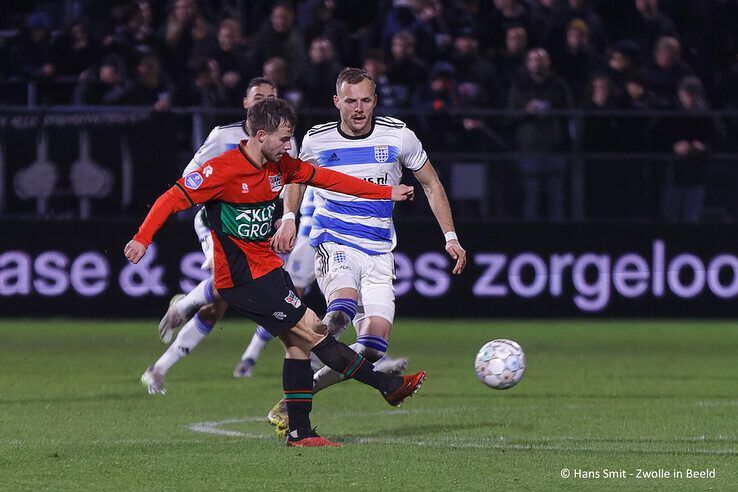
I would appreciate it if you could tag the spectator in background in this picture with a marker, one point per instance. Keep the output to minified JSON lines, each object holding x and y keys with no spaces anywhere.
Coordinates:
{"x":639,"y":95}
{"x":621,"y":61}
{"x":406,"y":70}
{"x":72,"y":53}
{"x":650,"y":25}
{"x":504,"y":14}
{"x":690,"y":138}
{"x":106,"y":84}
{"x":433,"y":104}
{"x":667,"y":70}
{"x":571,"y":10}
{"x":279,"y":38}
{"x":390,"y":96}
{"x":475,"y":75}
{"x":318,"y":19}
{"x":510,"y":61}
{"x":228,"y":53}
{"x":151,"y":85}
{"x":183,"y":28}
{"x":318,"y":79}
{"x":538,"y":136}
{"x":277,"y":70}
{"x":542,"y":21}
{"x":603,"y":133}
{"x":419,"y":18}
{"x":578,"y":61}
{"x":204,"y":89}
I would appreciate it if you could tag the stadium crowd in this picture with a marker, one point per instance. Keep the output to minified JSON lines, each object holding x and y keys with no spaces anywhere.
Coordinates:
{"x":433,"y":60}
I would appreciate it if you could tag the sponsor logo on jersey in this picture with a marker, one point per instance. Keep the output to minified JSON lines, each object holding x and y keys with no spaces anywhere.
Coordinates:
{"x":381,"y":153}
{"x":207,"y":171}
{"x":244,"y":188}
{"x":333,"y":157}
{"x":250,"y":222}
{"x":193,"y":180}
{"x":339,"y":256}
{"x":275,"y":181}
{"x":293,"y":299}
{"x":279,"y":315}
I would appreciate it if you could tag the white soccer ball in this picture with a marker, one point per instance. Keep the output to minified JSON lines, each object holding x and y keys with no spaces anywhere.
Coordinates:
{"x":500,"y":364}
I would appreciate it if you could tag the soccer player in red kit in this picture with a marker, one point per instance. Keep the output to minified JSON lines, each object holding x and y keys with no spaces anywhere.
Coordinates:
{"x":240,"y":189}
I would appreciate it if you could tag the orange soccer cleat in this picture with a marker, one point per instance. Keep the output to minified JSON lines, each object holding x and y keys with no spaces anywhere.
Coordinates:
{"x":312,"y":442}
{"x":410,"y":385}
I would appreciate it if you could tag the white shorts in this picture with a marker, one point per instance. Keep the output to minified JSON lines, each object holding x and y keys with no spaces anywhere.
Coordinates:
{"x":206,"y":239}
{"x":300,"y":263}
{"x":338,"y":267}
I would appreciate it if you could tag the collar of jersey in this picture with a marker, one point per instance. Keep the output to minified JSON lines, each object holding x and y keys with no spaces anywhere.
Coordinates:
{"x":248,"y":158}
{"x":355,"y":137}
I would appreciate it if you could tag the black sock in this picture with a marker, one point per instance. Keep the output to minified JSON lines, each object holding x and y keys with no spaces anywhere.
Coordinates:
{"x":341,"y":358}
{"x":297,"y":381}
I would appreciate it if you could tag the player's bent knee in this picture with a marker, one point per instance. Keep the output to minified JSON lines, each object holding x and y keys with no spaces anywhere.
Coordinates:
{"x":211,"y":313}
{"x":336,"y":322}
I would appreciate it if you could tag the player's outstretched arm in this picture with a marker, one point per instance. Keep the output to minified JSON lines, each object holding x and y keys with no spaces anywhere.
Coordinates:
{"x":438,"y":201}
{"x":169,"y":203}
{"x":349,"y":185}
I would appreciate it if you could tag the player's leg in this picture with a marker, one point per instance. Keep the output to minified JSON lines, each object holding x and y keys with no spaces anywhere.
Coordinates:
{"x":191,"y":334}
{"x":183,"y":307}
{"x":271,"y":302}
{"x":300,"y":266}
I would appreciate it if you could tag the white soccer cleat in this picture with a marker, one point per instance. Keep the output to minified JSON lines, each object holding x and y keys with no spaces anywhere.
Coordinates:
{"x":244,"y":368}
{"x":154,"y":381}
{"x":172,"y":321}
{"x":390,"y":366}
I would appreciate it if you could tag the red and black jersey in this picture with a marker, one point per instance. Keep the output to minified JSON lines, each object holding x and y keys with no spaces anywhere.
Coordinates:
{"x":240,"y":198}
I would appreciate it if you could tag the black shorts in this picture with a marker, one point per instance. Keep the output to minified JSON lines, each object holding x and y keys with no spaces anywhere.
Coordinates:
{"x":270,"y":301}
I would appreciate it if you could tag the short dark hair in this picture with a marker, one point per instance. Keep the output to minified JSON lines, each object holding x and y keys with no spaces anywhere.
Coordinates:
{"x":257,"y":81}
{"x":268,"y":114}
{"x":353,"y":76}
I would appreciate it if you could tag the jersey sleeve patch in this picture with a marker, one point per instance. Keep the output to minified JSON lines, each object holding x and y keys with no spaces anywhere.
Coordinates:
{"x":193,"y":180}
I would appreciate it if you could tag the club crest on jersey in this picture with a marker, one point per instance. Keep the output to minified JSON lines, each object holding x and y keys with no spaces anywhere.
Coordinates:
{"x":339,"y":256}
{"x":293,"y":299}
{"x":207,"y":171}
{"x":244,"y":188}
{"x":193,"y":180}
{"x":381,"y":153}
{"x":275,"y":181}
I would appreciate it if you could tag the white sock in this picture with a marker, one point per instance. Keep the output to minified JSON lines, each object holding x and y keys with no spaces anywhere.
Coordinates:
{"x":187,"y":339}
{"x":198,"y":297}
{"x":258,"y":342}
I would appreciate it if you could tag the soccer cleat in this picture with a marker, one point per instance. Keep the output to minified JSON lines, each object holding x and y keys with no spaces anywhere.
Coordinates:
{"x":171,"y":322}
{"x":243,"y":369}
{"x":277,"y":417}
{"x":409,"y":387}
{"x":154,"y":381}
{"x":390,"y":366}
{"x":312,"y":440}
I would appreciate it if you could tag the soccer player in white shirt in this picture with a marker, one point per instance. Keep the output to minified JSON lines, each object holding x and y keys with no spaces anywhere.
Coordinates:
{"x":202,"y":307}
{"x":354,"y":237}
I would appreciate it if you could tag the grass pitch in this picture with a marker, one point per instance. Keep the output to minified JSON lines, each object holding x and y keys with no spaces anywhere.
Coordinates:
{"x":597,"y":398}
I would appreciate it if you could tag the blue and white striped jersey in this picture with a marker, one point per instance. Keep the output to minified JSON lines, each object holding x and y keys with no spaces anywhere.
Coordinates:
{"x":307,"y":207}
{"x":221,"y":139}
{"x":377,"y":157}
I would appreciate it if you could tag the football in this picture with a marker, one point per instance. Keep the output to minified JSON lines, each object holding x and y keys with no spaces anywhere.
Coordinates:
{"x":500,"y":364}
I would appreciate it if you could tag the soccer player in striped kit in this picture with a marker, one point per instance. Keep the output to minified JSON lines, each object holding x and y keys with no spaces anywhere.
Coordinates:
{"x":354,"y":237}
